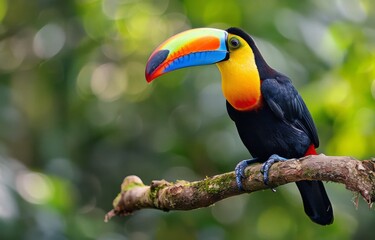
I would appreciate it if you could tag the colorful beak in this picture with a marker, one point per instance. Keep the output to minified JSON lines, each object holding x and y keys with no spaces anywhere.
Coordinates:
{"x":200,"y":46}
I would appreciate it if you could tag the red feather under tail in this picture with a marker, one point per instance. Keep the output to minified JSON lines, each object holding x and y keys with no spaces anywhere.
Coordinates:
{"x":311,"y":150}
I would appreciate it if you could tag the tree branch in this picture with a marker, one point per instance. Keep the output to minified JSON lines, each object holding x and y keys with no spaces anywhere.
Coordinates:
{"x":358,"y":176}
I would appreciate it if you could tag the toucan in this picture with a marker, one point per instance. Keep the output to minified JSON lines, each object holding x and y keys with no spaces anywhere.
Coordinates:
{"x":271,"y":117}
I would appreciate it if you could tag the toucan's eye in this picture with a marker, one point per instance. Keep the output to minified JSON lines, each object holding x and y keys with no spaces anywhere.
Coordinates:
{"x":234,"y":42}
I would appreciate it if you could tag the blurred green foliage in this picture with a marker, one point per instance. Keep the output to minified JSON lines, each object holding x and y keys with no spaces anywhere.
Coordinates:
{"x":76,"y":114}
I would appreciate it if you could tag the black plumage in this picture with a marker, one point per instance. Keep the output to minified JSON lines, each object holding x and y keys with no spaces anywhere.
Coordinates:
{"x":281,"y":125}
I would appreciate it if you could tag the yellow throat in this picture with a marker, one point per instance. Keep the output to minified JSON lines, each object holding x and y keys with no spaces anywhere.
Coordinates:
{"x":240,"y":77}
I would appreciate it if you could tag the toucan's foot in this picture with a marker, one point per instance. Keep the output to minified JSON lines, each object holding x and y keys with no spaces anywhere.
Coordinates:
{"x":240,"y":171}
{"x":267,"y":165}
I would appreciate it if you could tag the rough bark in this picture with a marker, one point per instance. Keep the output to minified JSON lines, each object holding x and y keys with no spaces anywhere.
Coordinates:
{"x":358,"y":176}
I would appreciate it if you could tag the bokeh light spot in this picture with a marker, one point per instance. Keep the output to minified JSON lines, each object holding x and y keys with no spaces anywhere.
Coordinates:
{"x":352,"y":10}
{"x":321,"y":41}
{"x":49,"y":40}
{"x":34,"y":187}
{"x":108,"y":82}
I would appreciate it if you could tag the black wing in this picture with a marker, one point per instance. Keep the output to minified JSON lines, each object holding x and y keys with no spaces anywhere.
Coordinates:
{"x":287,"y":104}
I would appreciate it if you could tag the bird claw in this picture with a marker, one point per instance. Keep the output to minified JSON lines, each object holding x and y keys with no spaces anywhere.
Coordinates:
{"x":241,"y":166}
{"x":267,"y":165}
{"x":240,"y":171}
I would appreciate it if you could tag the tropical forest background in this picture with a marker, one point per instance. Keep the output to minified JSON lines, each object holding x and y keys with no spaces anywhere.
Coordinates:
{"x":77,"y":116}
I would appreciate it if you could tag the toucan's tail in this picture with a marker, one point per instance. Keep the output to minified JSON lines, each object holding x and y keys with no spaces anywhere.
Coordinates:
{"x":315,"y":201}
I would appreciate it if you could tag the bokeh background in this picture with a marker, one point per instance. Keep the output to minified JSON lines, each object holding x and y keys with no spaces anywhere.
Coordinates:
{"x":77,"y":116}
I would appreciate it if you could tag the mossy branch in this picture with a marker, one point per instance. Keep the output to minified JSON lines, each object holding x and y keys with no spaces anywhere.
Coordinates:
{"x":358,"y":176}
